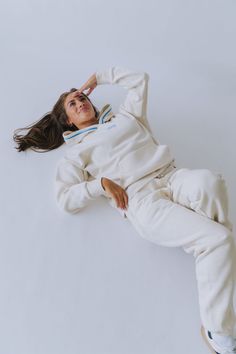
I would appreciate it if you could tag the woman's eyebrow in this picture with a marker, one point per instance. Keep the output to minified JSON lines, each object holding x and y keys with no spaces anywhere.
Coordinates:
{"x":78,"y":95}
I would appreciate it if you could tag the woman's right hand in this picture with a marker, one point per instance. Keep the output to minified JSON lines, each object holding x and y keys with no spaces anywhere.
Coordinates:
{"x":89,"y":85}
{"x":116,"y":192}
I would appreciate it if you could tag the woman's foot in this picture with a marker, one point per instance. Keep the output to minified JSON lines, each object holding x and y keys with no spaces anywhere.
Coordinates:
{"x":219,"y":344}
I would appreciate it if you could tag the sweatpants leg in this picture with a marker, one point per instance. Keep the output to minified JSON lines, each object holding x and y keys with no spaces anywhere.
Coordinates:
{"x":189,"y":209}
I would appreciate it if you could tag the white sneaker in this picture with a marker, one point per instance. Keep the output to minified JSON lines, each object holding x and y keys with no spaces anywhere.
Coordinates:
{"x":219,"y":344}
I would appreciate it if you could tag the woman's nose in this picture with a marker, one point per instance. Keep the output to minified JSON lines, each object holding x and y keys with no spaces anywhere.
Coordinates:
{"x":80,"y":105}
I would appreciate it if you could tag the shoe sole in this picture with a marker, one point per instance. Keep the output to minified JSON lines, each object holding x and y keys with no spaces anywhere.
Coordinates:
{"x":206,"y":341}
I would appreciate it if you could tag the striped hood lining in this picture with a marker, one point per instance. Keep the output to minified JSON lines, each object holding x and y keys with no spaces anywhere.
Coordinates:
{"x":76,"y":136}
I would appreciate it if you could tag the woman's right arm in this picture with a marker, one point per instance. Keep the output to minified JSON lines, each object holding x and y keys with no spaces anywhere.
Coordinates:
{"x":136,"y":84}
{"x":73,"y":190}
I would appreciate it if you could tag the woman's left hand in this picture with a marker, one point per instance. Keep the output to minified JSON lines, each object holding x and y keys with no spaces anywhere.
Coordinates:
{"x":89,"y":85}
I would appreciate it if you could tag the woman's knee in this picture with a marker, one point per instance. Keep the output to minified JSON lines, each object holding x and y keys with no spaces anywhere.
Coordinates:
{"x":194,"y":181}
{"x":211,"y":183}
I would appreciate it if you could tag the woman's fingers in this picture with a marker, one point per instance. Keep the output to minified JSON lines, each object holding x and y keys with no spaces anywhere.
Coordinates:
{"x":85,"y":88}
{"x":126,"y":200}
{"x":116,"y":192}
{"x":117,"y":198}
{"x":82,"y":88}
{"x":122,"y":200}
{"x":89,"y":91}
{"x":89,"y":85}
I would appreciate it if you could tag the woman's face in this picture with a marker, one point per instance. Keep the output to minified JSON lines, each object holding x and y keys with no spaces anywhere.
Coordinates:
{"x":79,"y":110}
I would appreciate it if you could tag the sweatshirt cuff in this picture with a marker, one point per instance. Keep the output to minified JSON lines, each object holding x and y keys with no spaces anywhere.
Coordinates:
{"x":103,"y":77}
{"x":95,"y":188}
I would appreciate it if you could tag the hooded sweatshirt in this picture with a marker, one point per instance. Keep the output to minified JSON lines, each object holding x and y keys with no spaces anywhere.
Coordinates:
{"x":120,"y":147}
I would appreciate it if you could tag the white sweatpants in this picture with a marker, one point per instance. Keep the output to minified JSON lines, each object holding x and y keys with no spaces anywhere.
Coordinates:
{"x":189,"y":208}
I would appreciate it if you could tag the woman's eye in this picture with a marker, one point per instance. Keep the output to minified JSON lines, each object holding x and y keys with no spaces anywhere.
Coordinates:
{"x":81,"y":98}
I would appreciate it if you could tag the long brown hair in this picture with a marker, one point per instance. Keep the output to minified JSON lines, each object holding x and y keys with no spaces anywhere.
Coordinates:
{"x":46,"y":134}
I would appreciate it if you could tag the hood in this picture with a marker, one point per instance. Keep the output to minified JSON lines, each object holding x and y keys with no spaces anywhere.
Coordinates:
{"x":76,"y":136}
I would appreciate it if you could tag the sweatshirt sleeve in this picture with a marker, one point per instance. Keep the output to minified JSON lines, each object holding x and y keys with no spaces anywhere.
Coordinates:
{"x":73,"y":190}
{"x":136,"y":83}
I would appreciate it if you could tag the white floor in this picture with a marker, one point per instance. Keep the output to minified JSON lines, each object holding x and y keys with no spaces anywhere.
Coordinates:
{"x":87,"y":283}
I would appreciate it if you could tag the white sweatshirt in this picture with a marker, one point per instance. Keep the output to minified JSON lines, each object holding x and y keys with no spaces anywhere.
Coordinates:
{"x":120,"y":147}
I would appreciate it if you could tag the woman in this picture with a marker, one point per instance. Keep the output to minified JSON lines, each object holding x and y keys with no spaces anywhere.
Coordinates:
{"x":116,"y":156}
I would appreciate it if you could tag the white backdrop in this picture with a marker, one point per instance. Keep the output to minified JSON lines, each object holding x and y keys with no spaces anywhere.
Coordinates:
{"x":87,"y":283}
